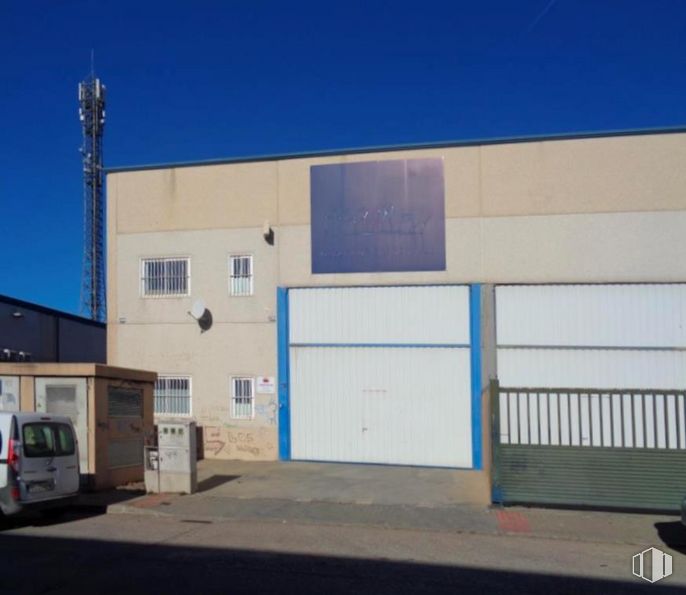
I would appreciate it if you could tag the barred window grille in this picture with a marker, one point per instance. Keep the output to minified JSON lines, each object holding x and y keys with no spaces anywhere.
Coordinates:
{"x":173,"y":395}
{"x":241,"y":281}
{"x":165,"y":276}
{"x":243,"y":402}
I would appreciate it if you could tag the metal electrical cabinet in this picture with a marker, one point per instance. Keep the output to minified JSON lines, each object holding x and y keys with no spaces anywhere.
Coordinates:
{"x":172,"y":466}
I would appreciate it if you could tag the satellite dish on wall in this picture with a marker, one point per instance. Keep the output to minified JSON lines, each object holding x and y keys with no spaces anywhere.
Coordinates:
{"x":201,"y":314}
{"x":198,"y":308}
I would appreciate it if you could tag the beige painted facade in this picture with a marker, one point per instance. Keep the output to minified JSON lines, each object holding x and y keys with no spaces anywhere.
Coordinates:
{"x":603,"y":209}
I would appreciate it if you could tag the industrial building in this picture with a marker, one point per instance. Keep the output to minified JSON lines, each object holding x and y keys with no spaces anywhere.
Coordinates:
{"x":511,"y":309}
{"x":33,"y":333}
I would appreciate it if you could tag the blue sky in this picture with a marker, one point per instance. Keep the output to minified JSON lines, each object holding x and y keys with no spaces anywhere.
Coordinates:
{"x":210,"y":79}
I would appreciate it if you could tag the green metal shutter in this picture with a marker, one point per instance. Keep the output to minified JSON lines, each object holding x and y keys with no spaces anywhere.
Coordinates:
{"x":593,"y":476}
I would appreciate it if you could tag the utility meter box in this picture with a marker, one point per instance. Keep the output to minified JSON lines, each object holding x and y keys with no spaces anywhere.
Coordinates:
{"x":172,"y":466}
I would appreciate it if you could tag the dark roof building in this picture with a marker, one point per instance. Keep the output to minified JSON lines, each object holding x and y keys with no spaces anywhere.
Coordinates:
{"x":29,"y":332}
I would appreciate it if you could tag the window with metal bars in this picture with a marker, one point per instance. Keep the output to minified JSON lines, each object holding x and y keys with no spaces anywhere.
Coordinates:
{"x":241,"y":275}
{"x":173,"y":395}
{"x":243,"y":401}
{"x":162,"y":277}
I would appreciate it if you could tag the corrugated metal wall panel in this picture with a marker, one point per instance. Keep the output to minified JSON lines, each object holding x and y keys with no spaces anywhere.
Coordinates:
{"x":380,"y":315}
{"x":381,"y":405}
{"x":124,"y":402}
{"x":577,"y":368}
{"x":648,"y":479}
{"x":125,"y":453}
{"x":592,"y":315}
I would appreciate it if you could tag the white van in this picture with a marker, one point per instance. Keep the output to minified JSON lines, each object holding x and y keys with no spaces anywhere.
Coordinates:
{"x":39,"y":461}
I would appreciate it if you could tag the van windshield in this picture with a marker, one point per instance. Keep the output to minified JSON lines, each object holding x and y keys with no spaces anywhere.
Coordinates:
{"x":43,"y":439}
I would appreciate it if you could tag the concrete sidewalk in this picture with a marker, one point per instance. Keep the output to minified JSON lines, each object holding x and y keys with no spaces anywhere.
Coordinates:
{"x":400,"y":498}
{"x":342,"y":483}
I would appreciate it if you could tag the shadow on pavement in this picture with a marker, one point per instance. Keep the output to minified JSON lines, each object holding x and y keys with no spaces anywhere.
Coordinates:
{"x":673,"y":535}
{"x":41,"y":519}
{"x":215,"y":481}
{"x":87,"y":504}
{"x":30,"y":564}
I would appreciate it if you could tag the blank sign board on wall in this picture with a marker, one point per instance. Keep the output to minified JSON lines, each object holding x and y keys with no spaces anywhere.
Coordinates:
{"x":378,"y":216}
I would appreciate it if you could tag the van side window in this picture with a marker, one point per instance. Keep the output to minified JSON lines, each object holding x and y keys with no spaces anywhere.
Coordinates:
{"x":38,"y":440}
{"x":65,"y":440}
{"x":48,"y":440}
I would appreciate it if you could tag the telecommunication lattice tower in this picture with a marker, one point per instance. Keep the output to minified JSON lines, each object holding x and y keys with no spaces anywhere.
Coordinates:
{"x":92,"y":116}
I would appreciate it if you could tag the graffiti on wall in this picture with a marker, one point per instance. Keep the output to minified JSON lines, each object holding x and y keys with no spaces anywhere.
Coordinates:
{"x":267,"y":412}
{"x":228,"y":442}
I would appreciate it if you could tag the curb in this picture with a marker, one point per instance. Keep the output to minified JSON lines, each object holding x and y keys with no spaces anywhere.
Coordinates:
{"x":135,"y":510}
{"x":494,"y":531}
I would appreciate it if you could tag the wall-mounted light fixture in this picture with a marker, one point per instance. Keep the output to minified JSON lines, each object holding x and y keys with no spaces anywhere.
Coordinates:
{"x":17,"y":314}
{"x":268,"y":233}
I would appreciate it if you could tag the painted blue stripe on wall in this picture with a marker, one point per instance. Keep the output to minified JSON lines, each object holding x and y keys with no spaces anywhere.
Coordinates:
{"x":475,"y":341}
{"x":416,"y":345}
{"x":284,"y":380}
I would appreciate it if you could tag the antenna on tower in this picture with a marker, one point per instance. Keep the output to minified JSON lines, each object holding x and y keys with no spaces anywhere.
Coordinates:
{"x":92,"y":116}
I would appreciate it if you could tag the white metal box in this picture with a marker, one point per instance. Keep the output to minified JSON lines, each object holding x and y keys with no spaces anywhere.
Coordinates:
{"x":172,"y":467}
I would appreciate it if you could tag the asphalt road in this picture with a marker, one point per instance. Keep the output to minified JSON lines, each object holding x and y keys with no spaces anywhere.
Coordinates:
{"x":142,"y":554}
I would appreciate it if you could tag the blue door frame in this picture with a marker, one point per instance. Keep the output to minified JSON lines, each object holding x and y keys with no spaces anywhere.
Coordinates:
{"x":283,"y":346}
{"x":284,"y":373}
{"x":475,"y":361}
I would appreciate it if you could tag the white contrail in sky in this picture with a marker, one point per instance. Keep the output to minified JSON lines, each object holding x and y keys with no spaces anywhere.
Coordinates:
{"x":544,"y":12}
